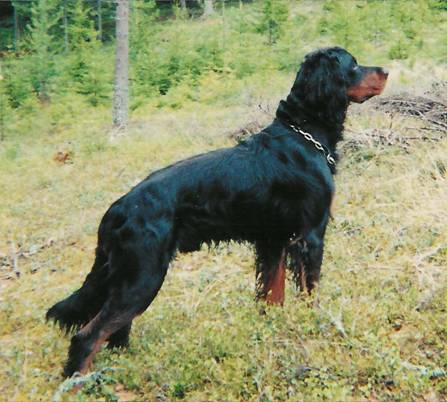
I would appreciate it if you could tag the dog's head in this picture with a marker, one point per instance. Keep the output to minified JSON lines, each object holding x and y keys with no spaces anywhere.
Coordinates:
{"x":328,"y":80}
{"x":334,"y":73}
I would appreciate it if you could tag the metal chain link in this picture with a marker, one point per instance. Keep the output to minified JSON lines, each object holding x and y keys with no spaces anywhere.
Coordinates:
{"x":329,"y":158}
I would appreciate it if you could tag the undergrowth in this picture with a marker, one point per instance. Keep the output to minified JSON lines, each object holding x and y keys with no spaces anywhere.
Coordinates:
{"x":374,"y":331}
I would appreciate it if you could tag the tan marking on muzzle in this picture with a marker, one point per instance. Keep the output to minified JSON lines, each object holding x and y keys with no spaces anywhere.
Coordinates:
{"x":371,"y":85}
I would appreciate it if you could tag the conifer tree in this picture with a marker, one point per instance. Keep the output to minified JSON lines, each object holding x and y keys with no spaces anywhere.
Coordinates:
{"x":99,"y":18}
{"x":81,"y":29}
{"x":142,"y":31}
{"x":84,"y":67}
{"x":45,"y":16}
{"x":16,"y":29}
{"x":274,"y":14}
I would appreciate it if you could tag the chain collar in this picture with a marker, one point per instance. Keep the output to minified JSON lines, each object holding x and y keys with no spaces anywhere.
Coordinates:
{"x":329,"y":158}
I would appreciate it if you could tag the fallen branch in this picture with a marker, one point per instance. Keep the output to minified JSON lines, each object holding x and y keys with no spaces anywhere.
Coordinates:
{"x":14,"y":256}
{"x":76,"y":382}
{"x":425,"y":371}
{"x":242,"y":133}
{"x":16,"y":251}
{"x":430,"y":108}
{"x":387,"y":137}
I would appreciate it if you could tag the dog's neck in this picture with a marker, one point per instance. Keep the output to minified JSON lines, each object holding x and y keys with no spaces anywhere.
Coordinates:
{"x":327,"y":126}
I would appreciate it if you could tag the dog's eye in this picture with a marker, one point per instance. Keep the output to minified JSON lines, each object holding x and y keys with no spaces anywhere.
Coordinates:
{"x":353,"y":71}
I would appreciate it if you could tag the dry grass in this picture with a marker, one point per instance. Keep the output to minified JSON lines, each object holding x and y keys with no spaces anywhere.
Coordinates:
{"x":378,"y":331}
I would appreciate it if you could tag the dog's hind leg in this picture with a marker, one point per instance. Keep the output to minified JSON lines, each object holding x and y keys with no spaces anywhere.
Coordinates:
{"x":83,"y":304}
{"x":136,"y":279}
{"x":120,"y":338}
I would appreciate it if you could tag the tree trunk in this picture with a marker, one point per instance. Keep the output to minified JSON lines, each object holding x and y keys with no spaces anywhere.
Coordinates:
{"x":121,"y":88}
{"x":208,"y":8}
{"x":183,"y":4}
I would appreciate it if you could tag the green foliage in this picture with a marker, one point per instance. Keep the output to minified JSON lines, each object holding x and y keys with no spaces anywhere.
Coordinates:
{"x":274,"y":15}
{"x":143,"y":25}
{"x":399,"y":51}
{"x":24,"y":8}
{"x":334,"y":21}
{"x":83,"y":67}
{"x":89,"y":75}
{"x":5,"y":109}
{"x":81,"y":29}
{"x":172,"y":60}
{"x":143,"y":30}
{"x":439,"y":4}
{"x":11,"y":153}
{"x":45,"y":16}
{"x":400,"y":25}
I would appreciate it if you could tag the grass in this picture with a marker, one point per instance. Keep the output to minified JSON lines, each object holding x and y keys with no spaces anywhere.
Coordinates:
{"x":377,"y":332}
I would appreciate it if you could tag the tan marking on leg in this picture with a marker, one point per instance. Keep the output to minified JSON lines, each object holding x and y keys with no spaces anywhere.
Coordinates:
{"x":276,"y":284}
{"x":102,"y":338}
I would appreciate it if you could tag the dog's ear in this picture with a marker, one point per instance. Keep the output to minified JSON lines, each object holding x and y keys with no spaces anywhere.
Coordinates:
{"x":321,"y":86}
{"x":321,"y":78}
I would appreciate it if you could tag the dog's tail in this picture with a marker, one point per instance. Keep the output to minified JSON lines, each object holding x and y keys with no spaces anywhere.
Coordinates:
{"x":81,"y":306}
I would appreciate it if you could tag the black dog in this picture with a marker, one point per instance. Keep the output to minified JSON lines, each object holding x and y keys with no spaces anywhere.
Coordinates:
{"x":273,"y":190}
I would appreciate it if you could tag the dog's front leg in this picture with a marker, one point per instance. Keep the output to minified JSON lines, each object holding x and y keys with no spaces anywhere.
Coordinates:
{"x":305,"y":256}
{"x":313,"y":257}
{"x":274,"y":289}
{"x":270,"y":275}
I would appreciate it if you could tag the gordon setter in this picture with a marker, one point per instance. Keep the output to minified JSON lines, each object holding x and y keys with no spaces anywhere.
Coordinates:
{"x":273,"y":190}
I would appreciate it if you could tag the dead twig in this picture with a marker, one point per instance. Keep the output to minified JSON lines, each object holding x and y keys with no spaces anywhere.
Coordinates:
{"x":249,"y":129}
{"x":431,"y":108}
{"x":14,"y":254}
{"x":385,"y":137}
{"x":17,"y":251}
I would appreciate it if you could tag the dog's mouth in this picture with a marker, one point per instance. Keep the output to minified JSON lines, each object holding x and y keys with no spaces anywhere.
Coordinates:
{"x":372,"y":84}
{"x":366,"y":97}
